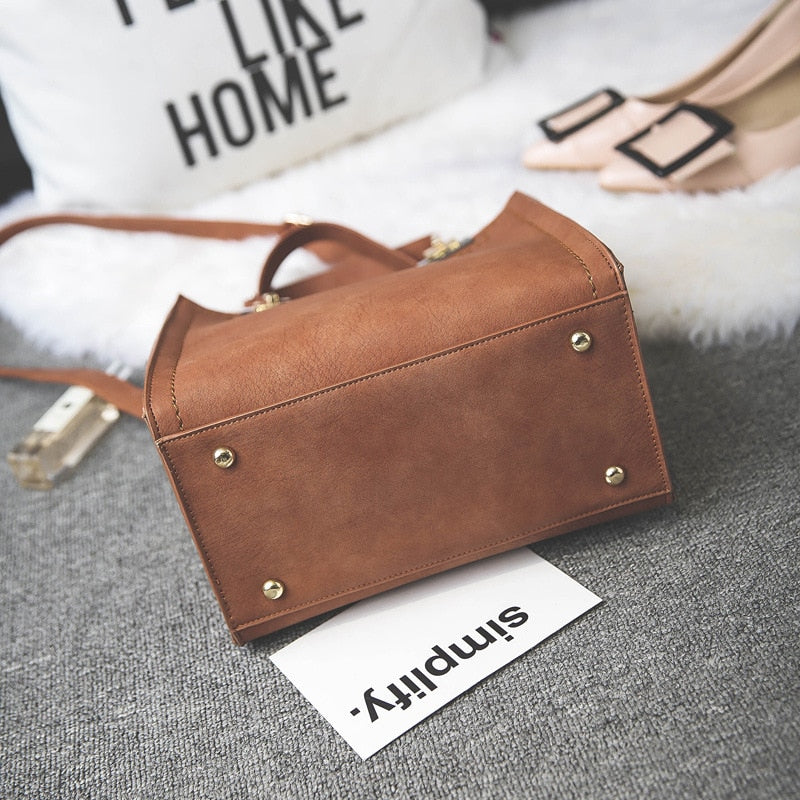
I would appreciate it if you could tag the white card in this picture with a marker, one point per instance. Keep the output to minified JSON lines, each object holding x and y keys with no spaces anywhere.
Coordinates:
{"x":384,"y":664}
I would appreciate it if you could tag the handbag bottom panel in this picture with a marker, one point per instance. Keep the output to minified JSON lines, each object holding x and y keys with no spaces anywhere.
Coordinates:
{"x":401,"y":474}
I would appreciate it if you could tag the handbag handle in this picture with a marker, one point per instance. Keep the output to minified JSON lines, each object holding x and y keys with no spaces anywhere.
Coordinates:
{"x":351,"y":255}
{"x":334,"y":244}
{"x":365,"y":258}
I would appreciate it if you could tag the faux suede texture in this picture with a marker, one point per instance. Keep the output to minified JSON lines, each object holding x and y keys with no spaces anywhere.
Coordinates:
{"x":408,"y":423}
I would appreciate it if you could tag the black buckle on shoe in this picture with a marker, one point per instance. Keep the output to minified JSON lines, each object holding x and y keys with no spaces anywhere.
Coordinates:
{"x":555,"y":134}
{"x":719,"y":127}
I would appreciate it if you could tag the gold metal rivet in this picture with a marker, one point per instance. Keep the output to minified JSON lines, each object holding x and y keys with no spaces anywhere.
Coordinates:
{"x":581,"y":341}
{"x":224,"y":457}
{"x":615,"y":476}
{"x":272,"y":589}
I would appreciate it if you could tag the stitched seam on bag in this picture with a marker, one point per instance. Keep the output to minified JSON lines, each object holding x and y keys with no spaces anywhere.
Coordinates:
{"x":155,"y":358}
{"x":588,"y":239}
{"x":648,"y":412}
{"x":446,"y":353}
{"x":612,"y":267}
{"x":148,"y":396}
{"x":149,"y":387}
{"x":585,"y":268}
{"x":173,"y":398}
{"x":523,"y":537}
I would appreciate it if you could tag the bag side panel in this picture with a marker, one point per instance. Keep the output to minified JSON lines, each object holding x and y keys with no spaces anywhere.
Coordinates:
{"x":529,"y":263}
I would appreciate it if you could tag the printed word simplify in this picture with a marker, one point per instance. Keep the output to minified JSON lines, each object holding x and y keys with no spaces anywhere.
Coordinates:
{"x":417,"y":682}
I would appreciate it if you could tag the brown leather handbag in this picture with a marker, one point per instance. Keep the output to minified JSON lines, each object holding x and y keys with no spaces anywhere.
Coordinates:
{"x":402,"y":413}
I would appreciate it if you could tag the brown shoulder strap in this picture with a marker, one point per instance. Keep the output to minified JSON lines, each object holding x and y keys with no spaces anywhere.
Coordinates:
{"x":124,"y":395}
{"x":204,"y":228}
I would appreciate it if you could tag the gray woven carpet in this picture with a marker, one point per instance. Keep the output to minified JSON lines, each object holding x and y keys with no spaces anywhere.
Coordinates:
{"x":118,"y":679}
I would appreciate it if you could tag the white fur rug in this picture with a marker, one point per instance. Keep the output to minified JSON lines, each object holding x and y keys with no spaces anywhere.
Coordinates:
{"x":708,"y":268}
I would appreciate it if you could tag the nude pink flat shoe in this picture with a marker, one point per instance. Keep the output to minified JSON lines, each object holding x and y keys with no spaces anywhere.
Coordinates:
{"x":584,"y":136}
{"x":700,"y":148}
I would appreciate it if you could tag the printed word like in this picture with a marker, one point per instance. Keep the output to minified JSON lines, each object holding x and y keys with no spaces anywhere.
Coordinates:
{"x":288,"y":76}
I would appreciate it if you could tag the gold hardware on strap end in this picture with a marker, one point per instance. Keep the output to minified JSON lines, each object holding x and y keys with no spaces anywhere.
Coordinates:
{"x":61,"y":438}
{"x":63,"y":435}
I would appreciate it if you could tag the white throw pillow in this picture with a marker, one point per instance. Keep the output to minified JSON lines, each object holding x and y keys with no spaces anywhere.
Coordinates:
{"x":151,"y":104}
